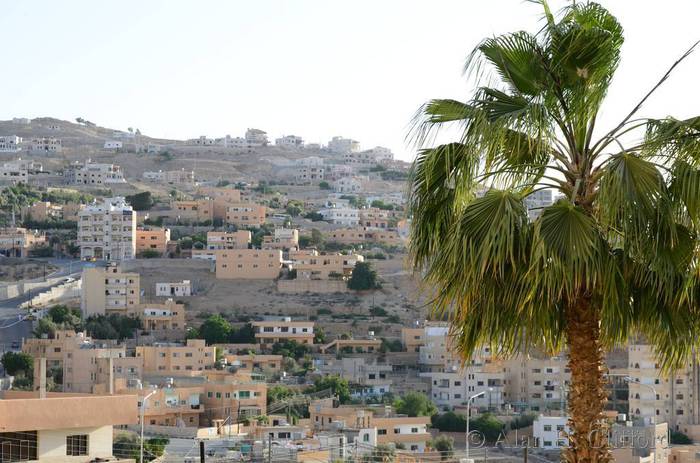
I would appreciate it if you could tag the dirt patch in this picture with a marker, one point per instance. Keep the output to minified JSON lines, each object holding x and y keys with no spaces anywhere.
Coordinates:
{"x":14,"y":269}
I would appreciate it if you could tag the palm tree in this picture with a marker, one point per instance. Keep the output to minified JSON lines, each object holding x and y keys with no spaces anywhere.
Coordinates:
{"x":616,"y":254}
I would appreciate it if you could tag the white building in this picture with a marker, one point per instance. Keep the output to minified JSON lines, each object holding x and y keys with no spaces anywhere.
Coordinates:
{"x":45,"y":145}
{"x":550,"y":432}
{"x":340,"y":145}
{"x":290,"y":141}
{"x":347,"y":216}
{"x":537,"y":201}
{"x":94,"y":174}
{"x":347,"y":185}
{"x":10,"y":144}
{"x":19,"y":171}
{"x":113,"y":145}
{"x":309,"y":174}
{"x":201,"y":141}
{"x":107,"y":230}
{"x":310,"y":161}
{"x":178,"y":289}
{"x":256,"y":137}
{"x":376,"y":155}
{"x":172,"y":176}
{"x":451,"y":383}
{"x":21,"y":120}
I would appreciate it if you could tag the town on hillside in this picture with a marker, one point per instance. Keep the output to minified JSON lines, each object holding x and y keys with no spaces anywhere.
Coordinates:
{"x":254,"y":295}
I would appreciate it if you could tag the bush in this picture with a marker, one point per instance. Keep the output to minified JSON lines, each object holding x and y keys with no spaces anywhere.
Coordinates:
{"x":523,"y":421}
{"x":378,"y":311}
{"x":291,"y":349}
{"x":150,"y":254}
{"x":41,"y":251}
{"x":314,"y":216}
{"x":445,"y":445}
{"x":679,"y":438}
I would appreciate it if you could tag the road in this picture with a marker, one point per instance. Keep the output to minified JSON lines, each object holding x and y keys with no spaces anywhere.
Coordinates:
{"x":12,"y":328}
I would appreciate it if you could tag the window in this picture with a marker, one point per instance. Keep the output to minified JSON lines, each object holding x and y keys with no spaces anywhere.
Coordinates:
{"x":547,"y":427}
{"x":381,"y":432}
{"x":77,"y":445}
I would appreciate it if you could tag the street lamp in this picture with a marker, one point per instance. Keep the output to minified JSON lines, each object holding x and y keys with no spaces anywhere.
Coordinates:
{"x":143,"y":413}
{"x":469,"y":414}
{"x":629,"y":379}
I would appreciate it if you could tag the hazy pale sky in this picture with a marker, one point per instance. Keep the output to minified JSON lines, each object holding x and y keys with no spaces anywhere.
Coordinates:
{"x":315,"y":68}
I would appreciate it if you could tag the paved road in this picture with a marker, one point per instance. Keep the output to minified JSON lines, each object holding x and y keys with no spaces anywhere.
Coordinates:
{"x":11,"y":328}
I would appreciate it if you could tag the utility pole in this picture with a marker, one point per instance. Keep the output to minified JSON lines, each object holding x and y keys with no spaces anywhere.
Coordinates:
{"x":527,"y":444}
{"x":201,"y":451}
{"x":269,"y":448}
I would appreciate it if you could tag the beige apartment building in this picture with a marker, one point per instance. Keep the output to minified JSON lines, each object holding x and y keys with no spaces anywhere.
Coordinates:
{"x":173,"y":358}
{"x":178,"y":406}
{"x":315,"y":266}
{"x":53,"y":427}
{"x":107,"y":230}
{"x":228,"y":240}
{"x":536,"y":381}
{"x":245,"y":214}
{"x":283,"y":238}
{"x":364,"y":235}
{"x":53,"y":349}
{"x":18,"y":242}
{"x":413,"y":339}
{"x":88,"y":366}
{"x":152,"y":239}
{"x":274,"y":331}
{"x":43,"y":211}
{"x":230,"y":195}
{"x":254,"y":362}
{"x":248,"y":264}
{"x":236,"y":395}
{"x":167,"y":316}
{"x":375,"y":425}
{"x":671,"y":398}
{"x":199,"y":210}
{"x":106,"y":289}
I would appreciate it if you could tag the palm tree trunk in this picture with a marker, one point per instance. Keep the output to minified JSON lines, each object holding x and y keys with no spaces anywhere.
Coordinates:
{"x":588,"y":433}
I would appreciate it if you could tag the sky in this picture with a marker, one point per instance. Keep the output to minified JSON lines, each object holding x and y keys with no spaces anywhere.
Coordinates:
{"x":314,"y":68}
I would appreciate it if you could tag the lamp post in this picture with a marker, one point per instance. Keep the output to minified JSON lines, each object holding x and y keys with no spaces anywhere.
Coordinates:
{"x":143,"y":413}
{"x":469,"y":414}
{"x":629,"y":379}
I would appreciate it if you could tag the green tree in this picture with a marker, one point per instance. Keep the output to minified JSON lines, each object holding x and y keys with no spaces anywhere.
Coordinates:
{"x":615,"y":255}
{"x":279,"y":392}
{"x":316,"y":237}
{"x":415,"y":404}
{"x":363,"y":277}
{"x":313,"y":216}
{"x":215,"y":330}
{"x":18,"y":363}
{"x":295,"y":207}
{"x":488,"y":425}
{"x":338,"y":385}
{"x":445,"y":445}
{"x":449,"y":422}
{"x":140,"y":201}
{"x":324,"y":186}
